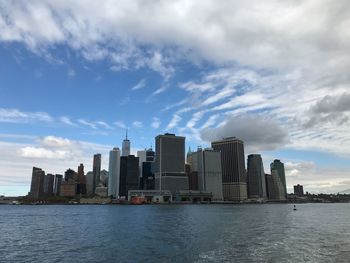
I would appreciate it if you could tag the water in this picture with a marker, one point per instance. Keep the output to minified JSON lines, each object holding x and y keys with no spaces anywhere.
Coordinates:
{"x":175,"y":233}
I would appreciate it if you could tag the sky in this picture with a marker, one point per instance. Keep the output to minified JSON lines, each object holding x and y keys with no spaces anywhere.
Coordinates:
{"x":74,"y":75}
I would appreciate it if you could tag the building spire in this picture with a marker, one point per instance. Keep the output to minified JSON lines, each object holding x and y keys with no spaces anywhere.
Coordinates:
{"x":126,"y":133}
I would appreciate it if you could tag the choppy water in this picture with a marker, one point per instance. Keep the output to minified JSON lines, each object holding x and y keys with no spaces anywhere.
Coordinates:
{"x":175,"y":233}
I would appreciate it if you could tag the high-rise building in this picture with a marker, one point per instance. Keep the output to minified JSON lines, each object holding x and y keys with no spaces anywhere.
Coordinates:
{"x":70,"y":174}
{"x":234,"y":178}
{"x":37,"y":184}
{"x":49,"y":184}
{"x":114,"y":173}
{"x":96,"y":169}
{"x":256,"y":177}
{"x":274,"y":186}
{"x":146,"y":159}
{"x":104,"y":177}
{"x":207,"y":163}
{"x":298,"y":190}
{"x":278,"y":166}
{"x":129,"y":174}
{"x":89,"y":182}
{"x":126,"y":145}
{"x":57,"y":184}
{"x":170,"y":163}
{"x":81,"y":180}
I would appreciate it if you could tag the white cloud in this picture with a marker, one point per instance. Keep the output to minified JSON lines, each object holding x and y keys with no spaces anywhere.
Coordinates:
{"x":67,"y":120}
{"x":155,"y":123}
{"x":137,"y":124}
{"x":104,"y":125}
{"x":87,"y":123}
{"x":174,"y":121}
{"x":53,"y":141}
{"x":120,"y":124}
{"x":17,"y":116}
{"x":141,"y":84}
{"x":42,"y":153}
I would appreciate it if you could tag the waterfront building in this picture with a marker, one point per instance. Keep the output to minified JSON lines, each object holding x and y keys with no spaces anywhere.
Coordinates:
{"x":126,"y":145}
{"x":89,"y":177}
{"x":234,"y":178}
{"x":68,"y":188}
{"x":278,"y":166}
{"x":256,"y":177}
{"x":96,"y":169}
{"x":81,"y":180}
{"x":57,"y":184}
{"x":170,"y":163}
{"x":49,"y":184}
{"x":147,"y":178}
{"x":37,"y":183}
{"x":104,"y":177}
{"x":298,"y":190}
{"x":70,"y":174}
{"x":207,"y":164}
{"x":101,"y":191}
{"x":129,"y":174}
{"x":274,"y":186}
{"x":114,"y":173}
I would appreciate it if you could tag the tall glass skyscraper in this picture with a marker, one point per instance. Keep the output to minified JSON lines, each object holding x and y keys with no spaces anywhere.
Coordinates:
{"x":278,"y":166}
{"x":96,"y":169}
{"x":234,"y":177}
{"x":256,"y":177}
{"x":126,"y":146}
{"x":114,"y":173}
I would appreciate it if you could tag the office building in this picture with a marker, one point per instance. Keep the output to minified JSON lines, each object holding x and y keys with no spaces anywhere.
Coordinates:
{"x":274,"y":187}
{"x":96,"y":169}
{"x":104,"y":178}
{"x":207,"y":163}
{"x":256,"y":177}
{"x":129,"y":174}
{"x":147,"y":179}
{"x":37,"y":184}
{"x":192,"y":177}
{"x":126,"y":146}
{"x":68,"y":188}
{"x":278,"y":166}
{"x":298,"y":190}
{"x":234,"y":178}
{"x":114,"y":173}
{"x":49,"y":184}
{"x":170,"y":163}
{"x":89,"y":177}
{"x":57,"y":184}
{"x":81,"y":181}
{"x":70,"y":174}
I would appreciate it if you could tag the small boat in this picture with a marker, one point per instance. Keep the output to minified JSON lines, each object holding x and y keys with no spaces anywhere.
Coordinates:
{"x":138,"y":200}
{"x":295,"y":208}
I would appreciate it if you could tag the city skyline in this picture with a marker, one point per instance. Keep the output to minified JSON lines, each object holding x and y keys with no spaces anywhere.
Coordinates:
{"x":70,"y":89}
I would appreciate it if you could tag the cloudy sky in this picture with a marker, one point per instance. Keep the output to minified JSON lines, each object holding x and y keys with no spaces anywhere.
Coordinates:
{"x":75,"y":74}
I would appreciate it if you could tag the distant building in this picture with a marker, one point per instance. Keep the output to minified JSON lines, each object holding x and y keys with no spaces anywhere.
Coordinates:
{"x":114,"y":173}
{"x":126,"y":145}
{"x":37,"y":184}
{"x":274,"y":185}
{"x":256,"y":177}
{"x":96,"y":169}
{"x":298,"y":190}
{"x":81,"y":181}
{"x":278,"y":166}
{"x":57,"y":184}
{"x":67,"y":188}
{"x":49,"y":184}
{"x":101,"y":191}
{"x":70,"y":174}
{"x":147,"y":176}
{"x":234,"y":178}
{"x":104,"y":177}
{"x":170,"y":163}
{"x":129,"y":174}
{"x":207,"y":163}
{"x":89,"y":177}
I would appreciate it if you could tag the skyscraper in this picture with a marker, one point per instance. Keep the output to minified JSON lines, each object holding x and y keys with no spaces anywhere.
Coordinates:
{"x":129,"y":174}
{"x":49,"y":184}
{"x":170,"y":163}
{"x":81,"y":180}
{"x":274,"y":185}
{"x":57,"y":184}
{"x":256,"y":177}
{"x":96,"y":169}
{"x":89,"y":177}
{"x":37,"y":184}
{"x":298,"y":190}
{"x":278,"y":166}
{"x":114,"y":173}
{"x":126,"y":145}
{"x":234,"y":178}
{"x":207,"y":163}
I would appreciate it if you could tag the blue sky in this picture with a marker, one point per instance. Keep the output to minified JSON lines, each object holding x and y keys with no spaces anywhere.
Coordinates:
{"x":74,"y":76}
